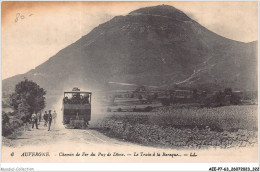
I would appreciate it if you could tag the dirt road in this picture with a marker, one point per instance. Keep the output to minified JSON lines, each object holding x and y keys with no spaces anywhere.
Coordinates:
{"x":58,"y":133}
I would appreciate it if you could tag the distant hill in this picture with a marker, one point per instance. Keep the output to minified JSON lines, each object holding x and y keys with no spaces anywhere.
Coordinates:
{"x":156,"y":46}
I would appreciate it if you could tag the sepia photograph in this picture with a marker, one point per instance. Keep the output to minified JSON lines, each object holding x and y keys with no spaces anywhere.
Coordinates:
{"x":129,"y":81}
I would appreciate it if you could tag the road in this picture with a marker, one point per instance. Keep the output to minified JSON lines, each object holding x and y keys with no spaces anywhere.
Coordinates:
{"x":58,"y":133}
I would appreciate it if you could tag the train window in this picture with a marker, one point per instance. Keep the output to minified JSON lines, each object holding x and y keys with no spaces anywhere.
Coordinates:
{"x":76,"y":98}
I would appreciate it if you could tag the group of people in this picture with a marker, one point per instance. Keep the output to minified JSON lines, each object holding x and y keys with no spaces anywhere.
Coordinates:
{"x":76,"y":99}
{"x":48,"y":117}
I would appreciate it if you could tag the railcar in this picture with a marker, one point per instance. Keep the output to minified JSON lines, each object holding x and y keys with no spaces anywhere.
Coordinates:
{"x":76,"y":108}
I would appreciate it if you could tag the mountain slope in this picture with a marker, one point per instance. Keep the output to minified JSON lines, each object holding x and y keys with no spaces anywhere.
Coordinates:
{"x":158,"y":46}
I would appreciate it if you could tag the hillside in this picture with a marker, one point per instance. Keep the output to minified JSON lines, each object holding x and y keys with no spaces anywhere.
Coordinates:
{"x":157,"y":46}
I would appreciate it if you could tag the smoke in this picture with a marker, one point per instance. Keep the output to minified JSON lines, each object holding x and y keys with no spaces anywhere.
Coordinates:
{"x":58,"y":108}
{"x":98,"y":110}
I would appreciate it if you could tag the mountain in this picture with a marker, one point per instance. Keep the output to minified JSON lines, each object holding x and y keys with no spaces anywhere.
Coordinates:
{"x":156,"y":46}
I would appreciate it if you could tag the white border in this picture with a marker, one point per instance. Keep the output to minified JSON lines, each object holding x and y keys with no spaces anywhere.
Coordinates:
{"x":127,"y":166}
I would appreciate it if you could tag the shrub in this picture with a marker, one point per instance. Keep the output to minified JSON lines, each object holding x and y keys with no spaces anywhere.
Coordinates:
{"x":148,"y":109}
{"x":6,"y":126}
{"x":10,"y":124}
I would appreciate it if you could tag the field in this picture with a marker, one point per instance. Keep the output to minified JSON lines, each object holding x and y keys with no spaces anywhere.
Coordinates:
{"x":225,"y":127}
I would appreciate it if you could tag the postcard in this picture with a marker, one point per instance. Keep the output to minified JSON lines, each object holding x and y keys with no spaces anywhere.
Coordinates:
{"x":129,"y":81}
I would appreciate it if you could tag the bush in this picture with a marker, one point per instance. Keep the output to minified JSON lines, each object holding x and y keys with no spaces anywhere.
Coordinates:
{"x":148,"y":109}
{"x":6,"y":128}
{"x":165,"y":102}
{"x":235,"y":99}
{"x":227,"y":97}
{"x":10,"y":124}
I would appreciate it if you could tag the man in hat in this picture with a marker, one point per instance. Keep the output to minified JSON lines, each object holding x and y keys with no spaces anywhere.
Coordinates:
{"x":38,"y":115}
{"x":54,"y":117}
{"x":49,"y":120}
{"x":45,"y":117}
{"x":34,"y":120}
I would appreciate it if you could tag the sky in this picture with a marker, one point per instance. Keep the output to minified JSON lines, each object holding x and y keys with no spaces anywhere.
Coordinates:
{"x":32,"y":32}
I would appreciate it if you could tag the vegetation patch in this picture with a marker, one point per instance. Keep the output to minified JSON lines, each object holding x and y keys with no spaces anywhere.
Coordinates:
{"x":27,"y":98}
{"x":229,"y":126}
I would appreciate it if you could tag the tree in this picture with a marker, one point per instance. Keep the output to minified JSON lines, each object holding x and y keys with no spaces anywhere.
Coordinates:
{"x":28,"y":97}
{"x":234,"y":99}
{"x":228,"y":91}
{"x":220,"y":98}
{"x":23,"y":110}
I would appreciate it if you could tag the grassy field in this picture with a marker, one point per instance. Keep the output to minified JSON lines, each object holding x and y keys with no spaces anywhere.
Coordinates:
{"x":229,"y":126}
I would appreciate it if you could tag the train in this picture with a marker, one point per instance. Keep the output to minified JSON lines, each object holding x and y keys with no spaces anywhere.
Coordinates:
{"x":76,"y":107}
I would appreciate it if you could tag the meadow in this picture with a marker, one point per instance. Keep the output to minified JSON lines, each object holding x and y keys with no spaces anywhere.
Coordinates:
{"x":228,"y":126}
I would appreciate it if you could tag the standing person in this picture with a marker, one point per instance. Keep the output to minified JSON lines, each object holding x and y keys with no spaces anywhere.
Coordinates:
{"x":26,"y":120}
{"x":49,"y":120}
{"x":34,"y":120}
{"x":54,"y":117}
{"x":45,"y":117}
{"x":38,"y":118}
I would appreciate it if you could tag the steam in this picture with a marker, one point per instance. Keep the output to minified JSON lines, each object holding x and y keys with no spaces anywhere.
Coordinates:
{"x":58,"y":108}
